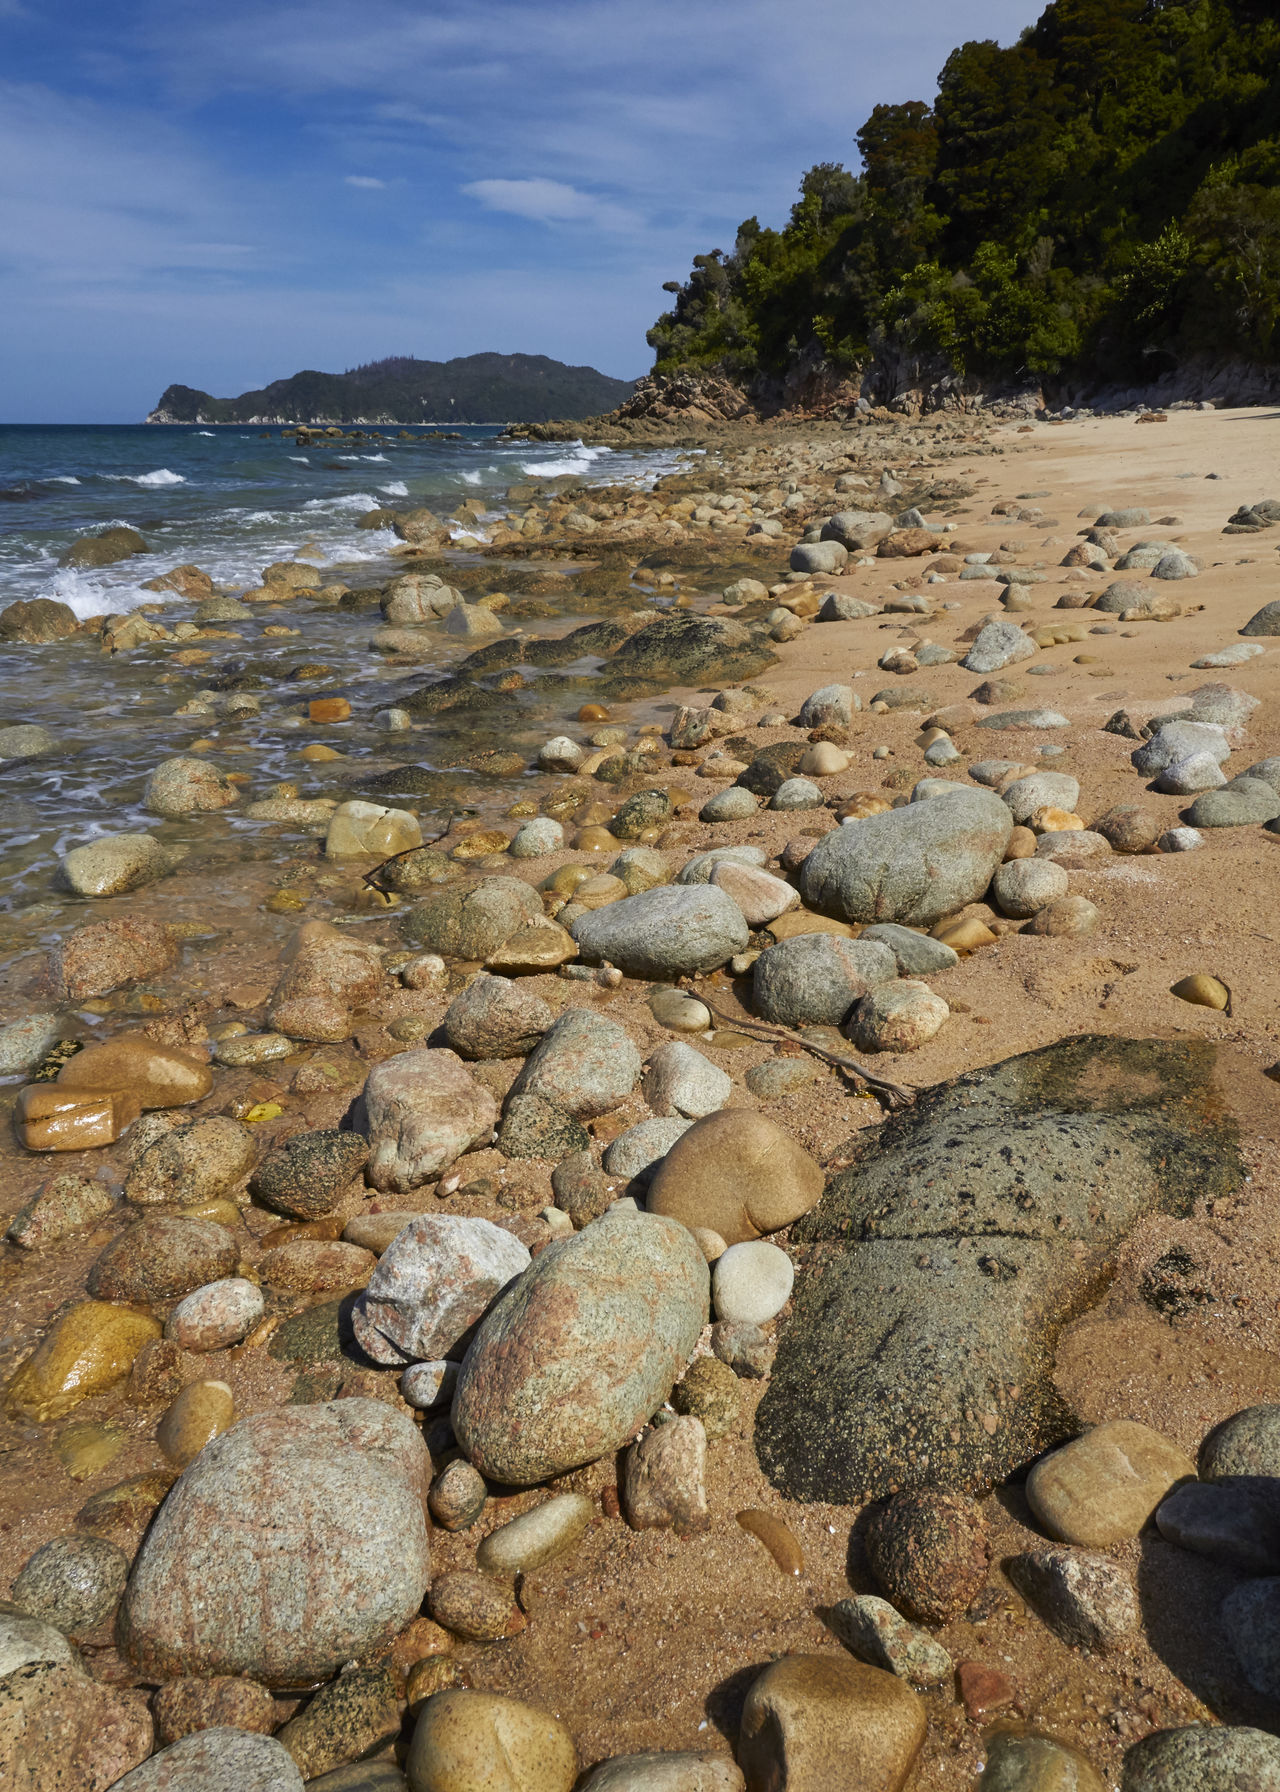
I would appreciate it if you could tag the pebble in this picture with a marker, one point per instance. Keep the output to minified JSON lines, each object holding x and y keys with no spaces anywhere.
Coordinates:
{"x":680,"y":1081}
{"x":425,"y":1386}
{"x":252,"y":1048}
{"x":930,"y":1550}
{"x":201,"y":1412}
{"x":72,"y":1582}
{"x":1105,"y":1485}
{"x":475,"y":1607}
{"x":481,"y":1742}
{"x":1180,"y":840}
{"x":681,"y":1013}
{"x":1086,"y":1599}
{"x":216,"y":1316}
{"x":537,"y":1536}
{"x":820,"y":1723}
{"x":744,"y":1348}
{"x":1024,"y":886}
{"x":797,"y":793}
{"x":532,"y":839}
{"x":457,"y":1496}
{"x":635,"y":1154}
{"x":709,"y":1391}
{"x":88,"y":1350}
{"x":738,"y":1173}
{"x":777,"y":1078}
{"x":1018,"y":1762}
{"x":1204,"y":1758}
{"x":1071,"y":917}
{"x":752,"y":1282}
{"x":897,"y":1017}
{"x":662,"y":1480}
{"x":1202,"y":991}
{"x":873,"y":1631}
{"x":1248,"y":1443}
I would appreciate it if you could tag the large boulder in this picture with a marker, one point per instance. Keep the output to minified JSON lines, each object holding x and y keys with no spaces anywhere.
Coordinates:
{"x":472,"y":923}
{"x":814,"y":979}
{"x":672,"y":931}
{"x":422,"y":1111}
{"x":913,"y":864}
{"x":292,"y":1543}
{"x":575,"y":1357}
{"x":35,"y":621}
{"x":936,"y":1273}
{"x":186,"y":786}
{"x":584,"y":1065}
{"x":681,"y":648}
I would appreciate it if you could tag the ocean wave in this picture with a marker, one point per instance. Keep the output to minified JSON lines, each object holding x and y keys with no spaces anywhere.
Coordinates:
{"x":301,"y":459}
{"x":62,"y":479}
{"x":397,"y":489}
{"x":578,"y":460}
{"x":205,"y":432}
{"x":381,"y":457}
{"x":353,"y":501}
{"x":161,"y":476}
{"x":471,"y":478}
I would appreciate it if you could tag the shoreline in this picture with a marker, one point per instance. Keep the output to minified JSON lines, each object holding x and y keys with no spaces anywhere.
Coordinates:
{"x":640,"y":1639}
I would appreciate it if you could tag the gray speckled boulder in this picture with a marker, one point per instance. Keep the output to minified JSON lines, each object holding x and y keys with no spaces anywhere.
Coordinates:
{"x":672,"y":931}
{"x":1178,"y":740}
{"x":423,"y":1110}
{"x":433,"y":1282}
{"x":1040,"y":790}
{"x":1248,"y":1443}
{"x":572,"y":1361}
{"x":913,"y":864}
{"x":1203,"y":1758}
{"x":916,"y":953}
{"x":471,"y":923}
{"x":936,"y":1272}
{"x":1243,"y":801}
{"x":292,"y":1543}
{"x":586,"y":1065}
{"x":1265,"y":621}
{"x":813,"y":979}
{"x":217,"y":1758}
{"x":999,"y":644}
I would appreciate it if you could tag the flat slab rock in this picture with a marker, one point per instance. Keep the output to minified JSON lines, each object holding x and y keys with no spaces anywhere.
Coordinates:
{"x":937,"y":1271}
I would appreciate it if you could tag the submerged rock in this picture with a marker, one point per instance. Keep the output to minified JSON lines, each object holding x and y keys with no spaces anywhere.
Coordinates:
{"x":935,"y":1275}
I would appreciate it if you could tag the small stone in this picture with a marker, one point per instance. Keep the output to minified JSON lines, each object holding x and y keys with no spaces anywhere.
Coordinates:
{"x":536,"y":1537}
{"x":744,"y":1348}
{"x":216,"y":1316}
{"x":1105,"y":1485}
{"x":116,"y":864}
{"x":457,"y":1496}
{"x":1071,"y":917}
{"x":663,"y":1477}
{"x":310,"y":1174}
{"x":426,"y":1386}
{"x":778,"y":1078}
{"x":481,"y":1742}
{"x":533,"y":839}
{"x":983,"y":1689}
{"x":1024,"y":886}
{"x":897,"y":1017}
{"x":183,"y":1707}
{"x":316,"y":1265}
{"x":873,"y":1631}
{"x":1202,"y":991}
{"x":737,"y":1173}
{"x":1085,"y":1598}
{"x":1018,"y":1762}
{"x":194,"y":1161}
{"x":89,"y":1349}
{"x":797,"y":793}
{"x":818,"y":1723}
{"x":475,"y":1607}
{"x":201,"y":1412}
{"x":680,"y":1081}
{"x":73,"y":1582}
{"x":916,"y":954}
{"x":752,"y":1282}
{"x":185,"y":786}
{"x":930,"y":1550}
{"x":352,"y":1717}
{"x":1180,"y":840}
{"x":681,"y":1013}
{"x":709,"y":1391}
{"x":733,"y":804}
{"x":635,"y":1154}
{"x":432,"y":1285}
{"x":367,"y":830}
{"x":1204,"y":1757}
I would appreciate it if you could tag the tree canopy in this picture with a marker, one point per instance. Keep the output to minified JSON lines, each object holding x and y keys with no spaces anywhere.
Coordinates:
{"x":1103,"y":192}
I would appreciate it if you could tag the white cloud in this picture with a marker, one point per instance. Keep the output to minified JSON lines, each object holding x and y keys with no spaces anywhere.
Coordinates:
{"x":365,"y":180}
{"x":551,"y":202}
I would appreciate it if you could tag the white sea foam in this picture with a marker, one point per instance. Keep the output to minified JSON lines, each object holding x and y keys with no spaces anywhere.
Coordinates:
{"x":348,"y":457}
{"x":578,"y":460}
{"x":353,"y":501}
{"x":205,"y":432}
{"x":381,"y":457}
{"x":472,"y":478}
{"x":397,"y":489}
{"x":62,"y":479}
{"x":161,"y":476}
{"x":301,"y":459}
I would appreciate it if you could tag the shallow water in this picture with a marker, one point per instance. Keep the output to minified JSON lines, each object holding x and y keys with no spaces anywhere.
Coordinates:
{"x":230,"y":502}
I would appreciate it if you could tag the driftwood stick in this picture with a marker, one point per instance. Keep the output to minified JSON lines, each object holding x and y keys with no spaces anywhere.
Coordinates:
{"x":893,"y":1095}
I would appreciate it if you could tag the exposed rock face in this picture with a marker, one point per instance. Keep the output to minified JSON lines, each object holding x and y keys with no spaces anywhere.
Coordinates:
{"x":943,"y":1262}
{"x":292,"y":1543}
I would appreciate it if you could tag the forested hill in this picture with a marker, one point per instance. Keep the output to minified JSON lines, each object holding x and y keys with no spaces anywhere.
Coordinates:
{"x":472,"y":389}
{"x":1102,"y":194}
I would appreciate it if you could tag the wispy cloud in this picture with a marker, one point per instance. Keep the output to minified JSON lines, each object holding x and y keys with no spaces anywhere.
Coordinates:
{"x":365,"y":180}
{"x":551,"y":202}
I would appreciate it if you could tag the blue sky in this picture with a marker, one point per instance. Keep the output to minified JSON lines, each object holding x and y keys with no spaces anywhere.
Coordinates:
{"x":223,"y":194}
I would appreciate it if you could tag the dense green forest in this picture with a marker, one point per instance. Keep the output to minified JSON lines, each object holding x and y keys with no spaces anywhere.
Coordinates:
{"x":1102,"y":194}
{"x":487,"y":388}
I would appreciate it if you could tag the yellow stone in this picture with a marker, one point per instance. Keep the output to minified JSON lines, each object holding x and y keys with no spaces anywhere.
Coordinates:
{"x":565,"y":881}
{"x":53,"y":1119}
{"x":85,"y":1450}
{"x":539,"y":947}
{"x":1048,"y":820}
{"x":90,"y":1349}
{"x":262,"y":1110}
{"x":1202,"y":991}
{"x":596,"y":839}
{"x":157,"y":1076}
{"x":600,"y":892}
{"x":201,"y":1412}
{"x":963,"y":934}
{"x":318,"y":753}
{"x":479,"y":846}
{"x":799,"y":920}
{"x":284,"y":902}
